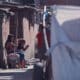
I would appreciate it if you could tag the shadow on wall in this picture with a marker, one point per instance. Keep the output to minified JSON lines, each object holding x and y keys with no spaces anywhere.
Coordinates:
{"x":72,"y":29}
{"x":1,"y":43}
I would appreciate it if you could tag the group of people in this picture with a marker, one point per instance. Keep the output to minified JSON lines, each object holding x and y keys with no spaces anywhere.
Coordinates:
{"x":16,"y":46}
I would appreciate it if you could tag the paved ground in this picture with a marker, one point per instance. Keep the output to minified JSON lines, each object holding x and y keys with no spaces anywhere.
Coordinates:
{"x":17,"y":74}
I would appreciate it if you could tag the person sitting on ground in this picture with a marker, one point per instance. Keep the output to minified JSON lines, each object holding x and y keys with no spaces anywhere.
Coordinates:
{"x":20,"y":50}
{"x":10,"y":47}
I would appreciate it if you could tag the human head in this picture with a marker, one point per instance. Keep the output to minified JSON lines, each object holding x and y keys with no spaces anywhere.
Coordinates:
{"x":10,"y":38}
{"x":21,"y":42}
{"x":41,"y":27}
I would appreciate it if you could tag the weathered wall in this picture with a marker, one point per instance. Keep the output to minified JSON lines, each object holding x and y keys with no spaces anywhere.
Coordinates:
{"x":23,"y":25}
{"x":1,"y":47}
{"x":29,"y":32}
{"x":4,"y":31}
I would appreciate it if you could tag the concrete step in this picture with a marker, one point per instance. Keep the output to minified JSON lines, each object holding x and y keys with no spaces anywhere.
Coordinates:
{"x":17,"y":74}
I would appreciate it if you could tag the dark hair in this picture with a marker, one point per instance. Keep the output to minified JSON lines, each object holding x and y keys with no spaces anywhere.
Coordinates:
{"x":10,"y":36}
{"x":41,"y":27}
{"x":9,"y":39}
{"x":20,"y":42}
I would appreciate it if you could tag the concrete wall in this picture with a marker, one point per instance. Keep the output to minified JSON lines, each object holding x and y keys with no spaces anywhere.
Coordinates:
{"x":23,"y":25}
{"x":4,"y":31}
{"x":30,"y":29}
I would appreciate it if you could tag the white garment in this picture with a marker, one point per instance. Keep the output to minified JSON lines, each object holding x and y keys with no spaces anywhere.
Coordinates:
{"x":65,"y":52}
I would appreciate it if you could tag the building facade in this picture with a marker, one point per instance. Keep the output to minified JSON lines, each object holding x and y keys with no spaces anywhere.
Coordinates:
{"x":20,"y":21}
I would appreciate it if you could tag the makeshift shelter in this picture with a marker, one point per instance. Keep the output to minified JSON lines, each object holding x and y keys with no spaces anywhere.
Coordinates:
{"x":65,"y":43}
{"x":20,"y":20}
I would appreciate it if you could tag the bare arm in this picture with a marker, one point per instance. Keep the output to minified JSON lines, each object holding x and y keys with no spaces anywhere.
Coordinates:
{"x":25,"y":47}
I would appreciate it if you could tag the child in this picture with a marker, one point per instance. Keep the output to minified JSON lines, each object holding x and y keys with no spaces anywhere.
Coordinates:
{"x":20,"y":50}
